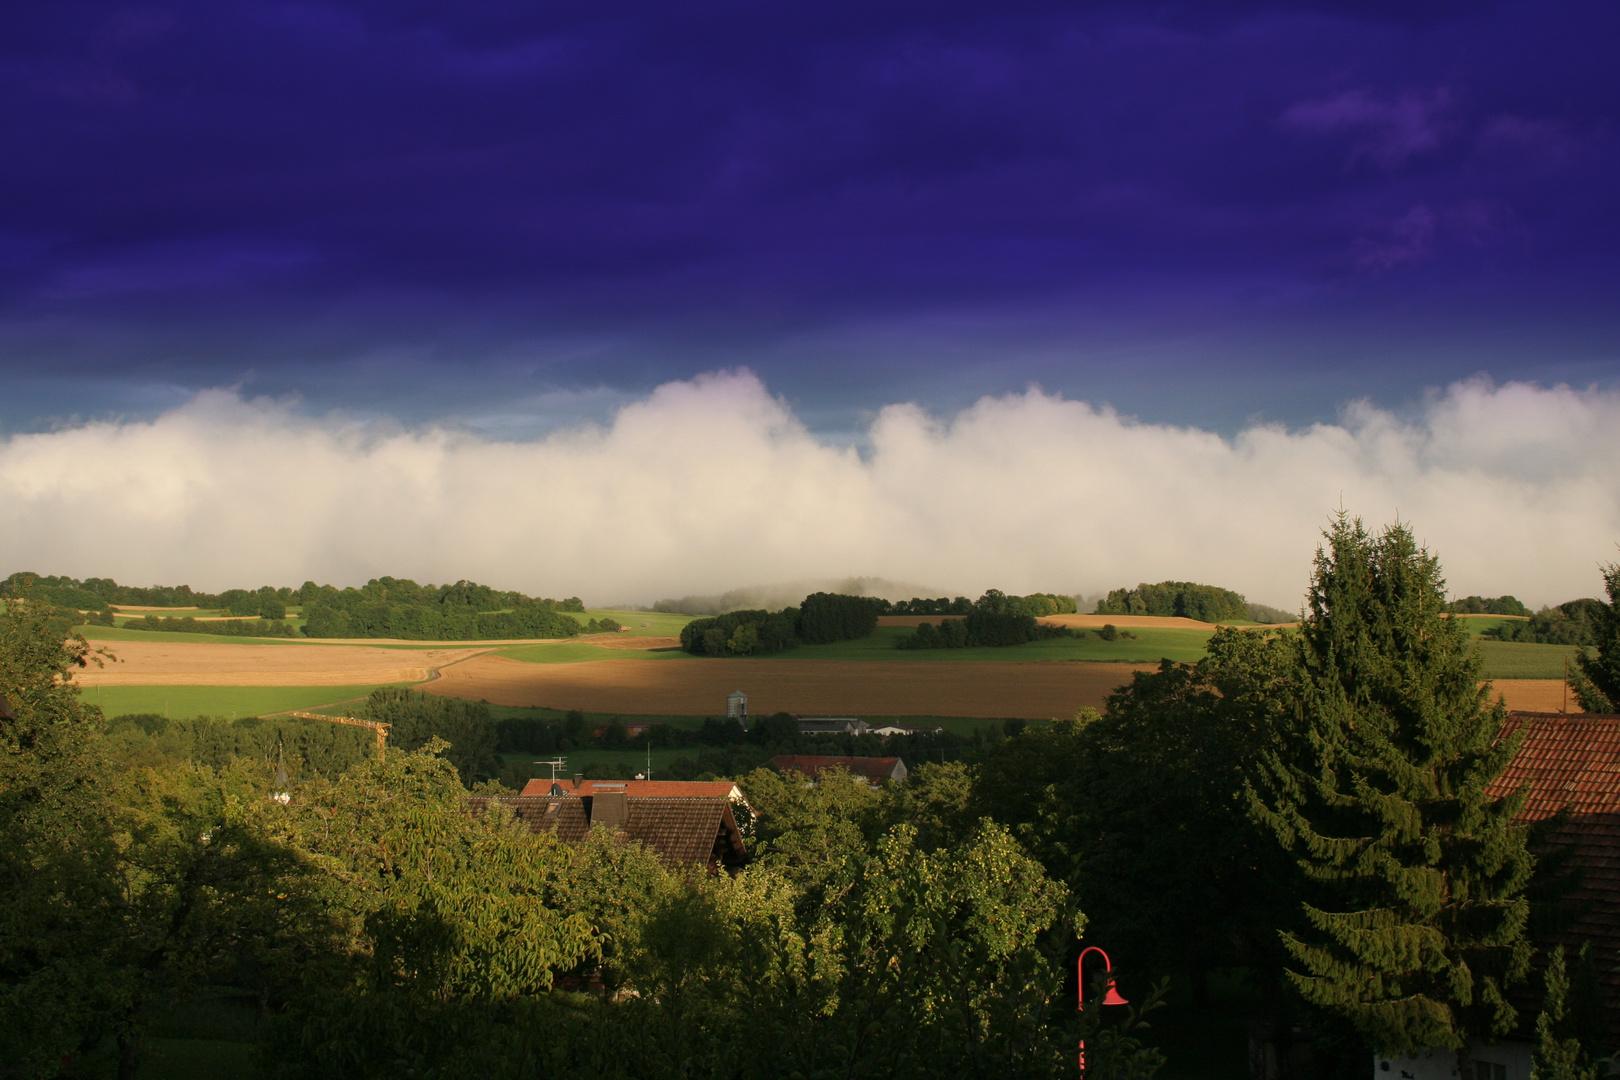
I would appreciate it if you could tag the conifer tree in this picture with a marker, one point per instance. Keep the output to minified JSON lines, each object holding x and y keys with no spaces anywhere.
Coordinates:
{"x":1596,"y":679}
{"x":1412,"y":876}
{"x":1559,"y":1055}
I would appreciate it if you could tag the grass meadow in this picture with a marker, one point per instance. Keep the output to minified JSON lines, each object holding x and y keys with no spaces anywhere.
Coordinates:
{"x":1150,"y":644}
{"x":1524,"y":660}
{"x":641,"y":623}
{"x":182,"y":701}
{"x":118,"y":633}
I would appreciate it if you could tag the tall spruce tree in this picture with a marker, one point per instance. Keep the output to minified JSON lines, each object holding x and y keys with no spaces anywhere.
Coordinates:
{"x":1412,"y":876}
{"x":1596,"y":678}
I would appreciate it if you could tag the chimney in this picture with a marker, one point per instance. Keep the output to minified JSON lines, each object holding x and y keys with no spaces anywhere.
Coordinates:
{"x":610,"y":808}
{"x":579,"y":778}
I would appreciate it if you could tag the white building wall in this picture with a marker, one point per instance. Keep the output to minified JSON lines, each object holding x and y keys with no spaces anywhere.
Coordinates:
{"x":1498,"y":1061}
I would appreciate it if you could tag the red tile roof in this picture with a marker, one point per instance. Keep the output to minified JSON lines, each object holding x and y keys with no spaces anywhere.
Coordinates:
{"x":873,"y":768}
{"x":664,"y":789}
{"x":1571,"y":762}
{"x":682,"y":831}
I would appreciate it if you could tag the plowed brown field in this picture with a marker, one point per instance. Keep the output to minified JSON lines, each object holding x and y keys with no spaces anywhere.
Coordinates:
{"x":1039,"y":690}
{"x":188,"y":663}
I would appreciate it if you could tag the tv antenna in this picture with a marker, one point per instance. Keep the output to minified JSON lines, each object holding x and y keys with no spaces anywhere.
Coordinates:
{"x":556,"y":763}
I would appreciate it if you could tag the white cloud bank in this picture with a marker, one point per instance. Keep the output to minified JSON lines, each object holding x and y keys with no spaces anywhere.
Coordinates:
{"x":711,"y":484}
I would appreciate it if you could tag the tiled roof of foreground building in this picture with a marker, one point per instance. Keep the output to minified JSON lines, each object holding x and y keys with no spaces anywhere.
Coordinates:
{"x":1571,"y":762}
{"x":682,"y":831}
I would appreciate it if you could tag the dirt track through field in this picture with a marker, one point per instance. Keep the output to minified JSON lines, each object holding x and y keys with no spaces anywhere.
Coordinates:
{"x":187,"y":663}
{"x":1032,"y":690}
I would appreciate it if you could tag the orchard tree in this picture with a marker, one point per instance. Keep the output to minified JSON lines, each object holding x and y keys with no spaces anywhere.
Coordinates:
{"x":117,"y":887}
{"x":1413,"y":876}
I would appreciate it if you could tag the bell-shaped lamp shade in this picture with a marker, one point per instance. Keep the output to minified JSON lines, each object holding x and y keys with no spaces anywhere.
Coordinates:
{"x":1111,"y":994}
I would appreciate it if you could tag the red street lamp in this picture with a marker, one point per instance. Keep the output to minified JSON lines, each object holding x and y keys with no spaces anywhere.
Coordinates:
{"x":1110,"y":992}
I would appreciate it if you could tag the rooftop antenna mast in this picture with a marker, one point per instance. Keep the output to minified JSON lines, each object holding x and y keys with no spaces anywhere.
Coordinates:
{"x":556,"y":763}
{"x":281,"y":794}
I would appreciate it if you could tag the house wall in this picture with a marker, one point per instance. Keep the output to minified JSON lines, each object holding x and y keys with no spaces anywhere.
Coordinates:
{"x":1513,"y":1057}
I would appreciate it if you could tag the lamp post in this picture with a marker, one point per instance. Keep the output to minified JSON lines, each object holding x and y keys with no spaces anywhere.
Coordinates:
{"x":1111,"y":994}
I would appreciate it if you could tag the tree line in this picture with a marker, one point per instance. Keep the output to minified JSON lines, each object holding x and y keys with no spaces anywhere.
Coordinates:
{"x":1183,"y":599}
{"x":1036,"y":604}
{"x":820,"y":618}
{"x":993,"y":620}
{"x":1576,"y":623}
{"x":1482,"y":605}
{"x":381,"y":924}
{"x":383,"y":607}
{"x":1308,"y":807}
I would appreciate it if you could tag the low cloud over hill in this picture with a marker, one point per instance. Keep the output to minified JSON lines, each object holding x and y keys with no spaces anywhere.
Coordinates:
{"x":713,"y":481}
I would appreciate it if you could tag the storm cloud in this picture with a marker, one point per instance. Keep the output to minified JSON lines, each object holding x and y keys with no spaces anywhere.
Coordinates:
{"x":713,"y":482}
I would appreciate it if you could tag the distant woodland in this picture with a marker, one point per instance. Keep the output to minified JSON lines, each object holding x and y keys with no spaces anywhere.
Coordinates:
{"x":383,"y":607}
{"x":823,"y":618}
{"x":1184,"y":599}
{"x":993,"y":620}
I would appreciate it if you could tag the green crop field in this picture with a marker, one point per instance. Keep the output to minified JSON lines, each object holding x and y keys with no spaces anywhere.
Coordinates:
{"x":1478,"y":624}
{"x":641,"y":623}
{"x":1524,"y":660}
{"x":1150,"y":645}
{"x":118,"y":633}
{"x":217,"y":700}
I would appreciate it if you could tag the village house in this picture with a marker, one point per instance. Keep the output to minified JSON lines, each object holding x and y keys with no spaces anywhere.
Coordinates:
{"x":905,"y":729}
{"x":681,"y":831}
{"x":1570,"y":766}
{"x":831,"y":725}
{"x":875,"y":770}
{"x":641,"y":789}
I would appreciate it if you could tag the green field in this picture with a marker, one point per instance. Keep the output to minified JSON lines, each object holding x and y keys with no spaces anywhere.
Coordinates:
{"x":1150,"y":644}
{"x":118,"y":633}
{"x":1525,"y":660}
{"x":641,"y":623}
{"x":1478,"y":624}
{"x":217,"y":700}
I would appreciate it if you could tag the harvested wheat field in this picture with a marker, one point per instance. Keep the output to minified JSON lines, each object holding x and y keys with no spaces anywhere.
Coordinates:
{"x":1032,"y":690}
{"x":186,"y":663}
{"x":626,"y":641}
{"x":1535,"y":695}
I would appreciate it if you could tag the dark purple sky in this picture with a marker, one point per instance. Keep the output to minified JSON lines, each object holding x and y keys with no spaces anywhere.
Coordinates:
{"x":509,"y":214}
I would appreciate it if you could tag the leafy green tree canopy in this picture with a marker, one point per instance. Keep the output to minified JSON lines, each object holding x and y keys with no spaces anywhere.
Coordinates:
{"x":1186,"y":599}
